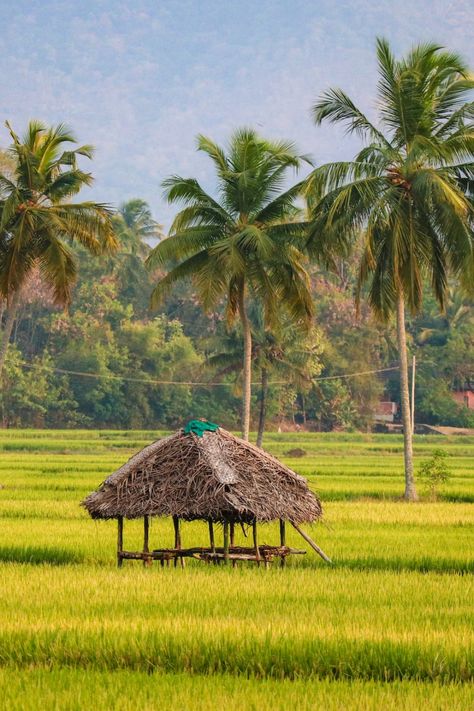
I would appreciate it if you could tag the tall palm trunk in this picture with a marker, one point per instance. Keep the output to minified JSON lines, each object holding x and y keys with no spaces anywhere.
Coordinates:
{"x":7,"y":331}
{"x":410,"y":489}
{"x":247,"y":364}
{"x":263,"y":406}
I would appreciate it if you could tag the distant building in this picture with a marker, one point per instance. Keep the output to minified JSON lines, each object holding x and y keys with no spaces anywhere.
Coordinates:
{"x":386,"y":411}
{"x":464,"y":397}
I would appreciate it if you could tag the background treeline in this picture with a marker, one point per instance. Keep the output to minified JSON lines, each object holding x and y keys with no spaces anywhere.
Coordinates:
{"x":109,"y":332}
{"x":254,"y":289}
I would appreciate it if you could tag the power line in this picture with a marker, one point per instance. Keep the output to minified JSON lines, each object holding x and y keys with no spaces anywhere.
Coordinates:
{"x":152,"y":381}
{"x":354,"y":375}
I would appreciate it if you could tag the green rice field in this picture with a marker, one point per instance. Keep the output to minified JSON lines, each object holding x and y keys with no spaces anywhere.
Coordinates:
{"x":390,"y":625}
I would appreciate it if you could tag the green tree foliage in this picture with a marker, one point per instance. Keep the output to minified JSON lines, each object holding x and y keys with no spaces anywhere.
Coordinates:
{"x":353,"y":343}
{"x":38,"y":396}
{"x":101,"y":337}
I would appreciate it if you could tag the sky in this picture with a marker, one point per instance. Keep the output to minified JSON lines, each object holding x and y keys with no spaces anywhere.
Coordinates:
{"x":140,"y":79}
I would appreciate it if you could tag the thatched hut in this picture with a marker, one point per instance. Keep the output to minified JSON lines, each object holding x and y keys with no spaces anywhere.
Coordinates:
{"x":204,"y":472}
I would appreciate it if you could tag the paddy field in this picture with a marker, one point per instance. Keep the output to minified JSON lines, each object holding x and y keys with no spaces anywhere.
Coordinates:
{"x":389,"y":625}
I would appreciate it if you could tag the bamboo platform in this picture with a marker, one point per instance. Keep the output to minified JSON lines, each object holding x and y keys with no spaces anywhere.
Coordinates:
{"x":263,"y":554}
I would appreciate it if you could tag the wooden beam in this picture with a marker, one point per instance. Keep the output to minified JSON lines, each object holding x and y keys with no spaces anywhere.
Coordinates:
{"x":119,"y":541}
{"x":311,"y":543}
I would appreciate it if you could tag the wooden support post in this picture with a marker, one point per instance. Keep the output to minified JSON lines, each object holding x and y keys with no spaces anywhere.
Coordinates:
{"x":282,"y":540}
{"x":226,"y":542}
{"x":177,"y":540}
{"x":311,"y":543}
{"x":211,"y":536}
{"x":212,"y":540}
{"x":147,"y":562}
{"x":119,"y":540}
{"x":182,"y":562}
{"x":255,"y":542}
{"x":232,"y":541}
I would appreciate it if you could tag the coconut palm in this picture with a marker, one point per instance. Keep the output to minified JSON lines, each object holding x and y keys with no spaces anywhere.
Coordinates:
{"x":37,"y":221}
{"x":136,"y":231}
{"x":284,"y":351}
{"x":434,"y":328}
{"x":246,"y":240}
{"x":138,"y":226}
{"x":409,"y":190}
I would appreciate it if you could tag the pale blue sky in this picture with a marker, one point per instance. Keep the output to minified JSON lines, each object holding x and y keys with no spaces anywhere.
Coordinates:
{"x":140,"y":79}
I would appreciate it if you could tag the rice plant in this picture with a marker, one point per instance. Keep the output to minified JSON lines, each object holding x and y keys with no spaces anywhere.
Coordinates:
{"x":396,"y":606}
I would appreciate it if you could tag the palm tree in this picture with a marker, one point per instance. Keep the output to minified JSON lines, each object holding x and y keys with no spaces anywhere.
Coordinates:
{"x":285,"y":351}
{"x":138,"y":226}
{"x":246,"y":241}
{"x":37,"y":220}
{"x":136,"y":231}
{"x":435,"y":328}
{"x":409,"y":190}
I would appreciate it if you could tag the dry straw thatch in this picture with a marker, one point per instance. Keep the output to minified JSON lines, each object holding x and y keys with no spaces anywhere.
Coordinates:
{"x":215,"y":477}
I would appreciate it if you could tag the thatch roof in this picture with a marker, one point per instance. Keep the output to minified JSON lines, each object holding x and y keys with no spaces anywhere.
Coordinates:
{"x":216,"y":476}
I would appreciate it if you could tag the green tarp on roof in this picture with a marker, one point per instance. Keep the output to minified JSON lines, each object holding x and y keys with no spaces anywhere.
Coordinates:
{"x":198,"y":427}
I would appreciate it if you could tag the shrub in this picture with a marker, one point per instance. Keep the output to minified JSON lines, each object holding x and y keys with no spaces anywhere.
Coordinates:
{"x":435,"y":472}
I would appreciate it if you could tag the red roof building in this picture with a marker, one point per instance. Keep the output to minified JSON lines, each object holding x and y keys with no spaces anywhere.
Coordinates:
{"x":464,"y":397}
{"x":386,"y":411}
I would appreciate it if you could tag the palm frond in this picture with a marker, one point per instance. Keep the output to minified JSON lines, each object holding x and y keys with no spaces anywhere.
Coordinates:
{"x":337,"y":107}
{"x":184,"y":270}
{"x":89,"y":223}
{"x":180,"y":245}
{"x":214,"y":152}
{"x":58,"y":268}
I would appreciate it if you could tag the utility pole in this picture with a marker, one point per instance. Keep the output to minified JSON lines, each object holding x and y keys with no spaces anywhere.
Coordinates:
{"x":413,"y":372}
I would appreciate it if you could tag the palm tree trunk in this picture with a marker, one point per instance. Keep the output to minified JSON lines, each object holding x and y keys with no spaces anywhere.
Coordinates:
{"x":247,"y":364}
{"x":263,"y":406}
{"x":410,"y":489}
{"x":7,"y":331}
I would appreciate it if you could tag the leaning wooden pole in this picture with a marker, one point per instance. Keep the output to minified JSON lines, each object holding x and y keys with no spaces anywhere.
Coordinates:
{"x":311,"y":543}
{"x":119,"y":541}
